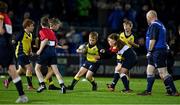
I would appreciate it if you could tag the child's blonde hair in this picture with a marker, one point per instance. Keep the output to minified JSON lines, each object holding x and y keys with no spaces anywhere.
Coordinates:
{"x":93,"y":35}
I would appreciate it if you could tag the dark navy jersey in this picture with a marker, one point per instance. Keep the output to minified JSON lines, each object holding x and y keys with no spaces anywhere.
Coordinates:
{"x":156,"y":31}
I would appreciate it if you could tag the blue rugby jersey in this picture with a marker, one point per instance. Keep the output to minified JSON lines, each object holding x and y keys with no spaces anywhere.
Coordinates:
{"x":156,"y":31}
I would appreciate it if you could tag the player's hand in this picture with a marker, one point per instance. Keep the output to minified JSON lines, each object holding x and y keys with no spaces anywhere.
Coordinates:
{"x":2,"y":31}
{"x":38,"y":52}
{"x":149,"y":54}
{"x":102,"y":51}
{"x":97,"y":57}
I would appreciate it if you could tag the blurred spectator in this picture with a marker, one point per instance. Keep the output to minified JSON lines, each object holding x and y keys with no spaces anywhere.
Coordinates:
{"x":83,"y":9}
{"x":171,"y":34}
{"x":102,"y":12}
{"x":141,"y":20}
{"x":177,"y":42}
{"x":116,"y":18}
{"x":63,"y":42}
{"x":130,"y":14}
{"x":142,"y":48}
{"x":74,"y":39}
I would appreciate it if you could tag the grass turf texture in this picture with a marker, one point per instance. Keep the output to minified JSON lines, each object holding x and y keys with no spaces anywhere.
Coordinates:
{"x":82,"y":93}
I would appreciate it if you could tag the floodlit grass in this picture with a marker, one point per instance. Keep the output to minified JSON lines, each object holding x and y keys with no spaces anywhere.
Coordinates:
{"x":82,"y":93}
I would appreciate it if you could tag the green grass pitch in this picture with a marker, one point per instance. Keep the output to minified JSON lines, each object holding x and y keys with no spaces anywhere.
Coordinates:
{"x":82,"y":93}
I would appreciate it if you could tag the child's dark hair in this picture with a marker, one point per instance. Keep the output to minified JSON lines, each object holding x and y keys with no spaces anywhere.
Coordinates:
{"x":27,"y":22}
{"x":3,"y":6}
{"x":119,"y":43}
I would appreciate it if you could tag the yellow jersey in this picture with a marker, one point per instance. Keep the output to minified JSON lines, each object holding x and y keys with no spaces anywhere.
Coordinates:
{"x":24,"y":44}
{"x":126,"y":39}
{"x":91,"y":53}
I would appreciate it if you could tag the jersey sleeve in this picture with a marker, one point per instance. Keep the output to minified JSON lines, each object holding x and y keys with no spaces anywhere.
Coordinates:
{"x":8,"y":24}
{"x":19,"y":36}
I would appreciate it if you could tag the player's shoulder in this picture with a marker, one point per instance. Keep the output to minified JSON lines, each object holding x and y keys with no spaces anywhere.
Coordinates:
{"x":156,"y":24}
{"x":121,"y":34}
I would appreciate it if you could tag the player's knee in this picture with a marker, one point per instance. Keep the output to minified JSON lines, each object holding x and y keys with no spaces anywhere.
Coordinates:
{"x":122,"y":75}
{"x":124,"y":71}
{"x":116,"y":71}
{"x":19,"y":71}
{"x":163,"y":73}
{"x":37,"y":67}
{"x":150,"y":72}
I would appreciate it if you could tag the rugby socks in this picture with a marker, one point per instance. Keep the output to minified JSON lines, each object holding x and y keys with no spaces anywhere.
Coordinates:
{"x":18,"y":83}
{"x":150,"y":82}
{"x":42,"y":84}
{"x":74,"y":82}
{"x":51,"y":81}
{"x":29,"y":80}
{"x":46,"y":81}
{"x":168,"y":88}
{"x":29,"y":77}
{"x":115,"y":80}
{"x":124,"y":81}
{"x":92,"y":81}
{"x":61,"y":82}
{"x":168,"y":80}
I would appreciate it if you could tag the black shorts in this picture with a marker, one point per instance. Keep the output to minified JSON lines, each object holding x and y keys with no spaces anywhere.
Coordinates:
{"x":7,"y":57}
{"x":158,"y":58}
{"x":48,"y":57}
{"x":130,"y":59}
{"x":91,"y":66}
{"x":23,"y":60}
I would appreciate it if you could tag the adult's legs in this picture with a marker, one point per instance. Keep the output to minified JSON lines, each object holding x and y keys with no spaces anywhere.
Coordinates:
{"x":168,"y":81}
{"x":150,"y":80}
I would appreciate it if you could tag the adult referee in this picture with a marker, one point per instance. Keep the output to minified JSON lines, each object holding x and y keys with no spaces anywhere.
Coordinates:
{"x":157,"y":55}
